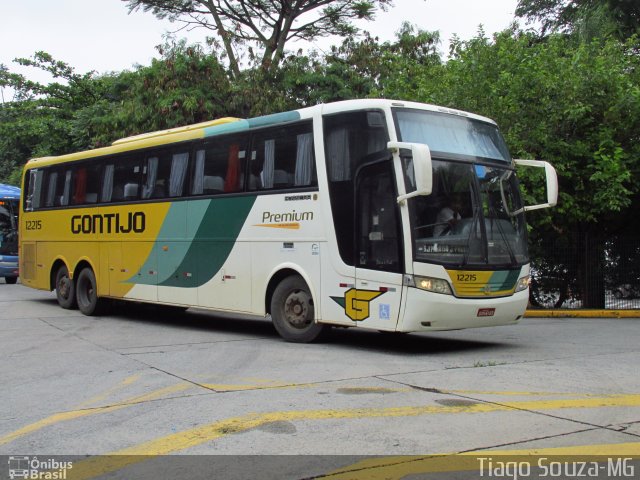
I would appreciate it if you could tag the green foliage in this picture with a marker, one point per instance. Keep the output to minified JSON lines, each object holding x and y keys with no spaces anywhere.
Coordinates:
{"x":587,"y":18}
{"x":267,"y":26}
{"x":575,"y":104}
{"x":188,"y":85}
{"x":39,"y":122}
{"x":361,"y":67}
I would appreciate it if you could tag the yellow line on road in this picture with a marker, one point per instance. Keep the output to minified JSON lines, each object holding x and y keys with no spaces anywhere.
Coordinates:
{"x":196,"y":436}
{"x":127,"y":381}
{"x":519,"y":394}
{"x":222,"y":387}
{"x":73,"y":414}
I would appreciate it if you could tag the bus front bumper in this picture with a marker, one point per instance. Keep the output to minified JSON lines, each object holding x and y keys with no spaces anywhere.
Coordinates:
{"x":427,"y":311}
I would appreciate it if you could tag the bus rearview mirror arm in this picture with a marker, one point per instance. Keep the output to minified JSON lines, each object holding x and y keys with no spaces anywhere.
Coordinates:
{"x":551,"y":179}
{"x":420,"y":164}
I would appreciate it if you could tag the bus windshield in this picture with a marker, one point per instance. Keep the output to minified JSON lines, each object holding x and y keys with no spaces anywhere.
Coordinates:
{"x":473,"y":219}
{"x":8,"y":227}
{"x":450,"y":135}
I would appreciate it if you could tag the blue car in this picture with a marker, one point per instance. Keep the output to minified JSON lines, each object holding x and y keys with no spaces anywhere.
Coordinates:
{"x":9,"y":207}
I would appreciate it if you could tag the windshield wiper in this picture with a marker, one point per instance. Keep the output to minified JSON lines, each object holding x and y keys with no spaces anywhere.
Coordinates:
{"x":494,"y":217}
{"x":476,"y":217}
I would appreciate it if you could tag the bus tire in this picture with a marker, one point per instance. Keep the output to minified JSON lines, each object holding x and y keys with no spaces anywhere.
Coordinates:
{"x":65,"y":289}
{"x":87,"y":293}
{"x":11,"y":280}
{"x":292,"y":311}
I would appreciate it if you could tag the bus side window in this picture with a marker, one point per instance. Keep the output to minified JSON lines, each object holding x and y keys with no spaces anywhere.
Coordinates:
{"x":34,"y":189}
{"x":86,"y":181}
{"x":53,"y":178}
{"x":56,"y":187}
{"x":219,"y":166}
{"x":126,"y":180}
{"x":283,"y":158}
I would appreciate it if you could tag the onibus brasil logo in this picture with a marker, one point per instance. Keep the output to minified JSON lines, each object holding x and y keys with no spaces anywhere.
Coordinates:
{"x":34,"y":468}
{"x":356,"y":303}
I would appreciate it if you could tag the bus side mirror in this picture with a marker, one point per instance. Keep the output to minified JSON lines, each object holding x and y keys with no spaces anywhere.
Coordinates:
{"x":552,"y":182}
{"x":417,"y":167}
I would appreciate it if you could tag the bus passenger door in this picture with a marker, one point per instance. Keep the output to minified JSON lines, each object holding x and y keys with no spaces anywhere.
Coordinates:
{"x":379,"y":257}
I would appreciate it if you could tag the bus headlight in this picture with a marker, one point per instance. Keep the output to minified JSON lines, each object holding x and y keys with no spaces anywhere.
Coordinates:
{"x":436,"y":285}
{"x":523,"y":283}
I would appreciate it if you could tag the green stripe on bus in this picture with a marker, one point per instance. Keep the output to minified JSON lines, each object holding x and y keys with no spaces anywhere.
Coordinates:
{"x":503,"y":280}
{"x":232,"y":127}
{"x":274,"y":119}
{"x":242,"y":125}
{"x":213,"y":242}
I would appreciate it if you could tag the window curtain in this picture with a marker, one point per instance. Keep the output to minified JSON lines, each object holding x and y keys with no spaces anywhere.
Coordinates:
{"x":179,"y":165}
{"x":51,"y":190}
{"x":233,"y":169}
{"x":338,"y":155}
{"x":269,"y":164}
{"x":67,"y":189}
{"x":447,"y":135}
{"x":376,"y":141}
{"x":107,"y":184}
{"x":198,"y":174}
{"x":304,"y":159}
{"x":80,"y":186}
{"x":152,"y":175}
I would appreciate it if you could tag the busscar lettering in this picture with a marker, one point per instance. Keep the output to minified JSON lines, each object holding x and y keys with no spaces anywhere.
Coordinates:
{"x":108,"y":223}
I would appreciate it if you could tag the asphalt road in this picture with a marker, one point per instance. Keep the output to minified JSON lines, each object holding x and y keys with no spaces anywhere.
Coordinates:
{"x":146,"y":382}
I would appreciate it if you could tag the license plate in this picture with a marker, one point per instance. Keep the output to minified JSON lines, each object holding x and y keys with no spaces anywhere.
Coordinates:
{"x":486,"y":312}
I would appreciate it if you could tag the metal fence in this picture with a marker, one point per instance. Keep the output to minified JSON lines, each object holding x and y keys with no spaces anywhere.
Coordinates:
{"x":586,"y":272}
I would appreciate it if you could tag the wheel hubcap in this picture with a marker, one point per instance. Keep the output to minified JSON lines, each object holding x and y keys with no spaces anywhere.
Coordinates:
{"x":296,"y":309}
{"x":63,"y":287}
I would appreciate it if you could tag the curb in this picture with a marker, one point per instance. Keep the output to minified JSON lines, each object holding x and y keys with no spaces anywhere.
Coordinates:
{"x":582,"y":314}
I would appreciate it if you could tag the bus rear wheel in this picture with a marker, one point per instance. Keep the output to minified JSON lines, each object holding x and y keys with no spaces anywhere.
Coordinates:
{"x":87,"y":293}
{"x":292,"y":311}
{"x":11,"y":280}
{"x":65,"y":289}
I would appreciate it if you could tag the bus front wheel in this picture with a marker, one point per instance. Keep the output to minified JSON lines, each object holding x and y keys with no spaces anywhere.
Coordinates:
{"x":87,"y":293}
{"x":65,"y":289}
{"x":292,"y":311}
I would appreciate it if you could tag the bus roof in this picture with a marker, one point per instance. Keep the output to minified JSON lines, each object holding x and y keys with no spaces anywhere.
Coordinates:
{"x":231,"y":124}
{"x":9,"y":191}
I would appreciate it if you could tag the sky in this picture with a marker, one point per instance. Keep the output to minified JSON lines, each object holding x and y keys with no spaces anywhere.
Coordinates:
{"x":101,"y":35}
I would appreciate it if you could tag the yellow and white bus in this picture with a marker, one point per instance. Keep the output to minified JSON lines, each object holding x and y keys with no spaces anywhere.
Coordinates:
{"x":379,"y":214}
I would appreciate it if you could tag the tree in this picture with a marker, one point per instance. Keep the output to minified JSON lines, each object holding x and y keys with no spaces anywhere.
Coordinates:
{"x":269,"y":24}
{"x":576,"y":104}
{"x":186,"y":85}
{"x":361,"y":67}
{"x":590,"y":18}
{"x":38,"y":122}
